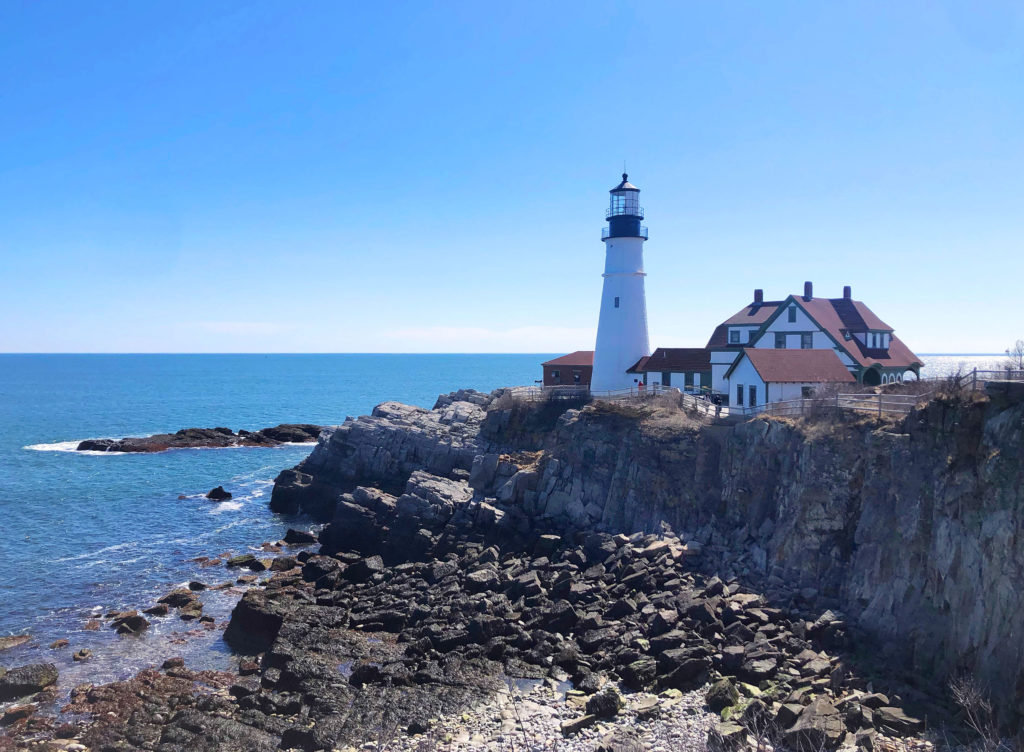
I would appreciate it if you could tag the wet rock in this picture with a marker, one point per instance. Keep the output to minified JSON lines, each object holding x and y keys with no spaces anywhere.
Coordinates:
{"x":17,"y":713}
{"x":11,"y":642}
{"x":81,"y":655}
{"x":130,"y":623}
{"x":218,"y":494}
{"x":175,"y":662}
{"x":255,"y":622}
{"x":178,"y":598}
{"x":26,"y":680}
{"x":160,"y":609}
{"x":56,"y":644}
{"x":299,"y":537}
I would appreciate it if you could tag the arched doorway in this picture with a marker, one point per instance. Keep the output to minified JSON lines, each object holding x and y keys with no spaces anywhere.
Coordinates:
{"x":872,"y":377}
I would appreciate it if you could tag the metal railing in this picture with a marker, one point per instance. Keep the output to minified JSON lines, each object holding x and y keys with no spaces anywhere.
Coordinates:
{"x":606,"y":233}
{"x":624,"y":211}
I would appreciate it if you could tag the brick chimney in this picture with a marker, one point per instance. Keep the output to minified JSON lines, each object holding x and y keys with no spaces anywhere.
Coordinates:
{"x":808,"y":291}
{"x":847,"y":292}
{"x":758,"y":296}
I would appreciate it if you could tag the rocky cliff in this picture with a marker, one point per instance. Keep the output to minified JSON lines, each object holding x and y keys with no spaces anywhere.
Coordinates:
{"x":911,"y":528}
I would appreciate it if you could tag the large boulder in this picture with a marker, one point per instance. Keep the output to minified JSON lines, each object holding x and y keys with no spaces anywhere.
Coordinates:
{"x":255,"y":622}
{"x":819,"y":726}
{"x":26,"y":680}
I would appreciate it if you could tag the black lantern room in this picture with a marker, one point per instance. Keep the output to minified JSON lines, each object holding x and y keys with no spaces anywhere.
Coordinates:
{"x":624,"y":212}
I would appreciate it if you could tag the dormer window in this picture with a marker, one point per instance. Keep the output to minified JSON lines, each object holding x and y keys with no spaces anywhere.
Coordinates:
{"x":734,"y":336}
{"x":791,"y":312}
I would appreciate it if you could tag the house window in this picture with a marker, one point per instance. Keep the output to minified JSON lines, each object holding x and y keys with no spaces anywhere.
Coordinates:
{"x":688,"y":380}
{"x":734,"y":336}
{"x":616,"y":301}
{"x":846,"y":334}
{"x":739,"y":395}
{"x":555,"y":374}
{"x":792,"y":314}
{"x":807,"y":392}
{"x":780,"y":340}
{"x":753,"y":397}
{"x":575,"y":376}
{"x":806,"y":341}
{"x":666,"y":378}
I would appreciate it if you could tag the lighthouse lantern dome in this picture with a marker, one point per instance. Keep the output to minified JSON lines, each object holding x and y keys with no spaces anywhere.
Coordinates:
{"x":625,"y":200}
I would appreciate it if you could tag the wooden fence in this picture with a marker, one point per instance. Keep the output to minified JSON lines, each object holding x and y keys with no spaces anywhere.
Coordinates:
{"x":878,"y":403}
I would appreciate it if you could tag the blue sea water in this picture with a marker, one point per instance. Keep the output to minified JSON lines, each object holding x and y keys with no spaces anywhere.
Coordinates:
{"x":83,"y":534}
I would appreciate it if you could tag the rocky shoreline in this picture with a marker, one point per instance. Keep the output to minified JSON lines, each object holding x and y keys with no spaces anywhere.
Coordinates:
{"x":469,"y":592}
{"x":207,"y":438}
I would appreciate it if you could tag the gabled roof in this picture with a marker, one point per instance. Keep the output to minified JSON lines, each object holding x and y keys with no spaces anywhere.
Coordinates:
{"x":840,"y":316}
{"x":678,"y":359}
{"x":795,"y":366}
{"x":578,"y":358}
{"x":754,"y":314}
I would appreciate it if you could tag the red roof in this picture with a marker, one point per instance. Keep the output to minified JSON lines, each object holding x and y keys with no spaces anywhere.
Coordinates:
{"x":578,"y":358}
{"x":796,"y":366}
{"x":838,"y":317}
{"x":841,"y":315}
{"x":677,"y":359}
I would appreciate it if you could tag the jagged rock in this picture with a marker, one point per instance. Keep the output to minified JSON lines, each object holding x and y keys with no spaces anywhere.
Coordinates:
{"x":575,"y":725}
{"x":894,"y":721}
{"x":721,"y":695}
{"x":299,"y":537}
{"x":218,"y":494}
{"x":26,"y":680}
{"x":190,"y":438}
{"x":819,"y":726}
{"x":255,"y":622}
{"x":605,"y":704}
{"x":130,"y":623}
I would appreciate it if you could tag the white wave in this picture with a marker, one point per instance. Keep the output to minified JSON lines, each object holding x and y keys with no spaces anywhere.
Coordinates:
{"x":92,"y":554}
{"x":58,"y":446}
{"x":72,"y":446}
{"x":226,"y":506}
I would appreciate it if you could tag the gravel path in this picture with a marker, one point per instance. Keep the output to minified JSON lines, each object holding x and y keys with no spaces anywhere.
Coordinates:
{"x":528,"y":717}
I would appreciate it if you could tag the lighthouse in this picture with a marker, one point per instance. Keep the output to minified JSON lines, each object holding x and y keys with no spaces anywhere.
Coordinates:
{"x":622,"y":326}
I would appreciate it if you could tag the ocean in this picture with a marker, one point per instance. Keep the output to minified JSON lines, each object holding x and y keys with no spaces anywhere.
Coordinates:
{"x":82,"y":534}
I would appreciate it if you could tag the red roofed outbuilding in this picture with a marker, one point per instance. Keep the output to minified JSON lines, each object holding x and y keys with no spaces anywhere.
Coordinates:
{"x":573,"y":369}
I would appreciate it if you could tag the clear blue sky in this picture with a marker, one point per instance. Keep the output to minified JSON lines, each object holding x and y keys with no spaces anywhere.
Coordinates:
{"x":273,"y":176}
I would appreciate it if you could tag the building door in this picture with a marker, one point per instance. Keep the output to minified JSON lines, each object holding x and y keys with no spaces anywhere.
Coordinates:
{"x":739,"y":395}
{"x":752,"y":402}
{"x":666,"y":378}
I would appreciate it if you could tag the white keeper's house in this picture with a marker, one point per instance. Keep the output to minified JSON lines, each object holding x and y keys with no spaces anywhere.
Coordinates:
{"x":769,"y":351}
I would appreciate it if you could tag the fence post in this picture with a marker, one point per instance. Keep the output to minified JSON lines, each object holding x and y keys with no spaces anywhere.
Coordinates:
{"x":974,"y":380}
{"x":837,"y":401}
{"x":879,"y":405}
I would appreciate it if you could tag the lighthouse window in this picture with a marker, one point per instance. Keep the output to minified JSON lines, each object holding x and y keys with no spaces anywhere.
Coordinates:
{"x":616,"y":301}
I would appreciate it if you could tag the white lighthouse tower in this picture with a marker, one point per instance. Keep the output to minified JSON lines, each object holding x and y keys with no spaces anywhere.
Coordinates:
{"x":622,"y":327}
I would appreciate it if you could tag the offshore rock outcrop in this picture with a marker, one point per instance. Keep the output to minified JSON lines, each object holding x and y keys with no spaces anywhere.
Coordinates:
{"x":911,"y":529}
{"x":206,"y":438}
